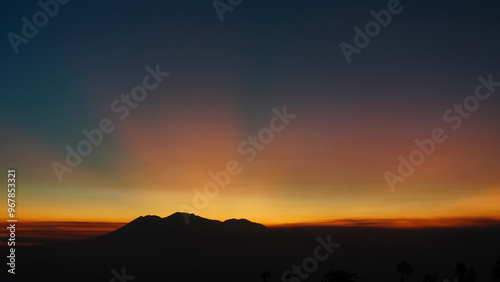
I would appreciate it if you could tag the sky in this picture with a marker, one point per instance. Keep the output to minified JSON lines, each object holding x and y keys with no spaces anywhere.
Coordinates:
{"x":226,"y":80}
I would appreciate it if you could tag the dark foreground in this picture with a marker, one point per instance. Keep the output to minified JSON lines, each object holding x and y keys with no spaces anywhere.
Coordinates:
{"x":155,"y":249}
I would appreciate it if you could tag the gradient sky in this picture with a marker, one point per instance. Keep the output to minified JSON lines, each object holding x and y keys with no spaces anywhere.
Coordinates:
{"x":353,"y":120}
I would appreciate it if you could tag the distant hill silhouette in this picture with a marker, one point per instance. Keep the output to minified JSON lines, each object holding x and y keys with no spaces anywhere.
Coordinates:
{"x":152,"y":248}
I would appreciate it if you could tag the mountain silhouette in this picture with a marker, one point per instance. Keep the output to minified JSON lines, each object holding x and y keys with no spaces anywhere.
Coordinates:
{"x":152,"y":248}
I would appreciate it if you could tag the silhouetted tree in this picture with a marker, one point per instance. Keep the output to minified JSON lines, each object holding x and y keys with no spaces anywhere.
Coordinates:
{"x":405,"y":269}
{"x":496,"y":271}
{"x":264,"y":275}
{"x":340,"y":276}
{"x":430,"y":278}
{"x":471,"y":275}
{"x":460,"y":272}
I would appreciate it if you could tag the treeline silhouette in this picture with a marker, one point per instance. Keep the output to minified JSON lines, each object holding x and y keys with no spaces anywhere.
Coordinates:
{"x":462,"y":274}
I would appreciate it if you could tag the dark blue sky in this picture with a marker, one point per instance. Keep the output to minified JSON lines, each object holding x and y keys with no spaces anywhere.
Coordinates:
{"x":260,"y":41}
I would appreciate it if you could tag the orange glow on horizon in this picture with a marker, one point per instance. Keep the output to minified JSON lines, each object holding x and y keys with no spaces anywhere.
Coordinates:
{"x":41,"y":232}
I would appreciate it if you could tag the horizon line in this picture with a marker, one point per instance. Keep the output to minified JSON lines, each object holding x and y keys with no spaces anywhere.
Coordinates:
{"x":345,"y":222}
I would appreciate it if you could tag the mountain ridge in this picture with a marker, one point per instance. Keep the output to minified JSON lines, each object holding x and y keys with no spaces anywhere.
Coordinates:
{"x":150,"y":245}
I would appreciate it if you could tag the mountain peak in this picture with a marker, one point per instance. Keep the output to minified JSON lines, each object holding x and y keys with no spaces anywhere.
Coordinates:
{"x":147,"y":219}
{"x":183,"y":218}
{"x":181,"y":222}
{"x":180,"y":215}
